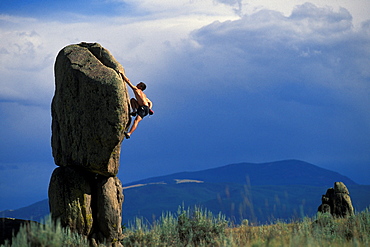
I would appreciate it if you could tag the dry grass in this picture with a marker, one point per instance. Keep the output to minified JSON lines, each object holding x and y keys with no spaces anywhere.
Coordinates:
{"x":321,"y":231}
{"x":200,"y":228}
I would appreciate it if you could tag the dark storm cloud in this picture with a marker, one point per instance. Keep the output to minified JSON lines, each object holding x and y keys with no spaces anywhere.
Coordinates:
{"x":269,"y":87}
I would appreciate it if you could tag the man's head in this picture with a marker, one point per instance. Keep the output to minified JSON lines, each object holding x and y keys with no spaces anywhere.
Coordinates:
{"x":141,"y":86}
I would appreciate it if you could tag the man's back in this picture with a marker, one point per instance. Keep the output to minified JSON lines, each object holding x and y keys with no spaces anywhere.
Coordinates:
{"x":141,"y":97}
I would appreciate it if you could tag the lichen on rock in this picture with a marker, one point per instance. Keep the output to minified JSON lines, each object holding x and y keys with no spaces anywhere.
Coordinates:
{"x":70,"y":198}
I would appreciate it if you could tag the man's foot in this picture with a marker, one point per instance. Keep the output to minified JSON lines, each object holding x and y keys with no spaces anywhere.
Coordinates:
{"x":133,"y":113}
{"x":127,"y":135}
{"x":151,"y":112}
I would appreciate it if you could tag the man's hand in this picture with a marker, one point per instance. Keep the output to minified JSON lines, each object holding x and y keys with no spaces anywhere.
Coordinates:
{"x":124,"y":77}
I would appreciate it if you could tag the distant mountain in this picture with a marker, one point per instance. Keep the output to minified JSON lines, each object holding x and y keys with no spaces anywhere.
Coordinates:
{"x":36,"y":211}
{"x":286,"y":172}
{"x":260,"y":193}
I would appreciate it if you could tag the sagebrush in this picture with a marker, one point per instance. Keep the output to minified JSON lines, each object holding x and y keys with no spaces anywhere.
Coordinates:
{"x":199,"y":227}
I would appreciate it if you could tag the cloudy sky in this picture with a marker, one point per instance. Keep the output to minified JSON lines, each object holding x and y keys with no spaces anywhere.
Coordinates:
{"x":231,"y":81}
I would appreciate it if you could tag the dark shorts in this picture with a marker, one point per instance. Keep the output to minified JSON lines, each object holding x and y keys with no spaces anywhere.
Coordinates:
{"x":142,"y":111}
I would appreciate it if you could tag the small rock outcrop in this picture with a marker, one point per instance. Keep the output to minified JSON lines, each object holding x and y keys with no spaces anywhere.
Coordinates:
{"x":90,"y":113}
{"x":337,"y":201}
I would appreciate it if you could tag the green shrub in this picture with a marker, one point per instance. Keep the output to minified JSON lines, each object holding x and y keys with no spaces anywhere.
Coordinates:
{"x":355,"y":228}
{"x":323,"y":230}
{"x":48,"y":234}
{"x":201,"y":228}
{"x":189,"y":228}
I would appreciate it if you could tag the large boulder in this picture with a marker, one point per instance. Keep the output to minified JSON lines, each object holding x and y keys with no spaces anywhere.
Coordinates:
{"x":90,"y":109}
{"x":90,"y":112}
{"x":337,"y":201}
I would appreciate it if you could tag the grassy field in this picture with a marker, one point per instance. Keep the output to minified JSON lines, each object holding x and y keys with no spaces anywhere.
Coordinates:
{"x":201,"y":228}
{"x":197,"y":227}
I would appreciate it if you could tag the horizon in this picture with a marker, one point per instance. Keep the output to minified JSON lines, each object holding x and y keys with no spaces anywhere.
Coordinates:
{"x":130,"y":183}
{"x":242,"y":163}
{"x":230,"y":81}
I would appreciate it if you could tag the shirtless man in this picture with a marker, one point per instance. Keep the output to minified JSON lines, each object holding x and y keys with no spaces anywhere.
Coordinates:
{"x":141,"y":106}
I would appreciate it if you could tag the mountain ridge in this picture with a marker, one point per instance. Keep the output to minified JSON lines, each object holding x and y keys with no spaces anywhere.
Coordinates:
{"x":284,"y":172}
{"x":226,"y":189}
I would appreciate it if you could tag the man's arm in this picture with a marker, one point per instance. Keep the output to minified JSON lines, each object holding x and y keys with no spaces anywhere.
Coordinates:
{"x":127,"y":81}
{"x":150,"y":103}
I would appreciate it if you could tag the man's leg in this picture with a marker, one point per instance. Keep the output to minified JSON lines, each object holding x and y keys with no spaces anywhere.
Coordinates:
{"x":134,"y":126}
{"x":134,"y":105}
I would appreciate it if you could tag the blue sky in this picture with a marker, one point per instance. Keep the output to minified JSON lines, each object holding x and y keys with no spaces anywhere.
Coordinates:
{"x":231,"y":81}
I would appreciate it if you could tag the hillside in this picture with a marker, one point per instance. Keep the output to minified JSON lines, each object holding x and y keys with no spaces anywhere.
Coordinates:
{"x":35,"y":211}
{"x":268,"y":196}
{"x":260,"y":204}
{"x":286,"y":172}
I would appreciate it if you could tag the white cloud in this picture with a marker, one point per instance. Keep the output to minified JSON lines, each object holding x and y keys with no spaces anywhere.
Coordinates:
{"x":320,"y":38}
{"x":358,"y":8}
{"x":142,"y":44}
{"x":270,"y":46}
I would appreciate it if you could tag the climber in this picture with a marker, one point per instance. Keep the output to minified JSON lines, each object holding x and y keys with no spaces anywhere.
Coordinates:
{"x":141,"y":105}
